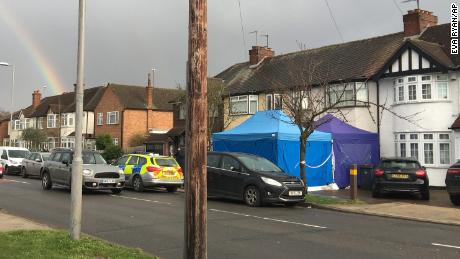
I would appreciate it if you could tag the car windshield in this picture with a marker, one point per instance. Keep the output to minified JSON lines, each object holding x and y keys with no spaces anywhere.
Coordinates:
{"x":401,"y":164}
{"x":166,"y":162}
{"x":18,"y":153}
{"x":93,"y":158}
{"x":259,"y":164}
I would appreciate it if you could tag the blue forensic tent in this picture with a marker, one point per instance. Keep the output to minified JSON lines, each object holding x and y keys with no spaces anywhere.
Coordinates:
{"x":351,"y":146}
{"x":271,"y":134}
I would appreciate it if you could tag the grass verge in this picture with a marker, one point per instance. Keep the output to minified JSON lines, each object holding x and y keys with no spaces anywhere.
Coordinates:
{"x":326,"y":200}
{"x":57,"y":244}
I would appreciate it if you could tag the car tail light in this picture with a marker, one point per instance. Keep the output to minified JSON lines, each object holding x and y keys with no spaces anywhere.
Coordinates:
{"x":179,"y":170}
{"x":154,"y":169}
{"x":420,"y":173}
{"x":378,"y":172}
{"x":453,"y":171}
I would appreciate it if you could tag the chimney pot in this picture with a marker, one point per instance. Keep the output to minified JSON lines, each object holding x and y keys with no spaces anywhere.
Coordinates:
{"x":149,"y":94}
{"x":36,"y":98}
{"x":417,"y":20}
{"x":257,"y":53}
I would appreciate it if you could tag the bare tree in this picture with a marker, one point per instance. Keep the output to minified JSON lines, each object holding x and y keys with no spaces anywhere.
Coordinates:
{"x":309,"y":97}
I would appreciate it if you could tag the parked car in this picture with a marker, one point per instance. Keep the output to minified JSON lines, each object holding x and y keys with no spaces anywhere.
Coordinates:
{"x":453,"y":183}
{"x":253,"y":179}
{"x":144,"y":171}
{"x":1,"y":171}
{"x":11,"y":158}
{"x":400,"y":175}
{"x":97,"y":174}
{"x":32,"y":164}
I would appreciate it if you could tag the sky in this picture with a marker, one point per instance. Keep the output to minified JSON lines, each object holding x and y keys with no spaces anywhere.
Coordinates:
{"x":126,"y":39}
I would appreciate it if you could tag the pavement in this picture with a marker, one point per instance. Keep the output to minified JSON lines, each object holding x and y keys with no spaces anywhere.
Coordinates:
{"x":11,"y":223}
{"x":438,"y":209}
{"x":154,"y":222}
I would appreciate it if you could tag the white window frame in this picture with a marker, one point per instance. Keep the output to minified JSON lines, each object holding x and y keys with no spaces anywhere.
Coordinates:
{"x":240,"y":99}
{"x":420,"y":139}
{"x":253,"y":98}
{"x":277,"y":105}
{"x":117,"y":118}
{"x":53,"y":118}
{"x":40,"y":122}
{"x":100,"y":118}
{"x":115,"y":141}
{"x":438,"y":88}
{"x":269,"y":102}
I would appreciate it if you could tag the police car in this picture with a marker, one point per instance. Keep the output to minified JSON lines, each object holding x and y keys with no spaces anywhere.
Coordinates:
{"x":147,"y":171}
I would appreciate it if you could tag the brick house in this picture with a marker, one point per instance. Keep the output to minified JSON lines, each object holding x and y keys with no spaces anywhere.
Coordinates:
{"x":125,"y":111}
{"x":409,"y":71}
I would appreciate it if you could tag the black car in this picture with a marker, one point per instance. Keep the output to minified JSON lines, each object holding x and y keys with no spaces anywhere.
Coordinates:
{"x":400,"y":175}
{"x":252,"y":179}
{"x":453,"y":183}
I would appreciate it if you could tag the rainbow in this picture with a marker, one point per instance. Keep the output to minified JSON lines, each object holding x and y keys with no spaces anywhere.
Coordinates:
{"x":53,"y":82}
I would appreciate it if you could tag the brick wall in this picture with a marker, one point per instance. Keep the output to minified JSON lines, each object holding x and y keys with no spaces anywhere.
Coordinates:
{"x":3,"y":131}
{"x":108,"y":103}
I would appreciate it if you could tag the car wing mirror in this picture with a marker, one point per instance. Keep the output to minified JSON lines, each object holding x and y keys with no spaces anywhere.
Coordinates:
{"x":4,"y":157}
{"x":65,"y":162}
{"x":38,"y":160}
{"x":424,"y":168}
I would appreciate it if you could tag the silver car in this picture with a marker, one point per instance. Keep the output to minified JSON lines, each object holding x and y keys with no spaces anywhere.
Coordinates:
{"x":97,"y":174}
{"x":32,"y":164}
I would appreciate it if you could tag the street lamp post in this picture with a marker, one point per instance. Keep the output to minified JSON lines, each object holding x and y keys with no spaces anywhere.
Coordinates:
{"x":153,"y":76}
{"x":5,"y":64}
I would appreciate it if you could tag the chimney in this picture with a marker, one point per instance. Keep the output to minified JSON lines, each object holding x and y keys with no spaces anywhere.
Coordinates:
{"x":415,"y":21}
{"x":149,"y":94}
{"x":257,"y":53}
{"x":36,"y":98}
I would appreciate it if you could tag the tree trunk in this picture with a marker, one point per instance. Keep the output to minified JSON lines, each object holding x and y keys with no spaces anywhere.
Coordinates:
{"x":303,"y":165}
{"x":196,"y":134}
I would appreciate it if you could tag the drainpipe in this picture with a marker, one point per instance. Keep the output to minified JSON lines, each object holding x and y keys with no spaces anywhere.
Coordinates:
{"x":378,"y":112}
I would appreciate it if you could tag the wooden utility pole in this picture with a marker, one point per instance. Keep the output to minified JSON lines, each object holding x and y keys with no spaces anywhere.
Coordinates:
{"x":196,"y":133}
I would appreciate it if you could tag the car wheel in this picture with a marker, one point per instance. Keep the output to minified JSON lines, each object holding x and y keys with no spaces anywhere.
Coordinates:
{"x":24,"y":172}
{"x":455,"y":199}
{"x":425,"y":195}
{"x":171,"y":189}
{"x":116,"y":191}
{"x":138,"y":185}
{"x":252,"y":196}
{"x":46,"y":181}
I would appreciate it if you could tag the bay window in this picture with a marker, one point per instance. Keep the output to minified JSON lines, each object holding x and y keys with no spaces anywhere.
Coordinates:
{"x":429,"y":87}
{"x":429,"y":148}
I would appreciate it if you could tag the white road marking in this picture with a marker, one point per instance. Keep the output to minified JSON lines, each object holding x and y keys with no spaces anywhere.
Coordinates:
{"x":269,"y":219}
{"x":9,"y":180}
{"x":138,"y":199}
{"x":449,"y":246}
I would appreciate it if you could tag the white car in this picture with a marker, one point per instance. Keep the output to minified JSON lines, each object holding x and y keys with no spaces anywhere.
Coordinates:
{"x":11,"y":158}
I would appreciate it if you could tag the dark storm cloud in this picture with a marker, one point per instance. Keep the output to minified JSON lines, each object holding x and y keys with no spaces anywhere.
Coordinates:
{"x":125,"y":39}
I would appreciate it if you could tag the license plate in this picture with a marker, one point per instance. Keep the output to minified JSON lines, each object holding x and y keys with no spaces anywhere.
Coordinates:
{"x":168,"y":173}
{"x":108,"y":181}
{"x":295,"y":193}
{"x":400,"y":176}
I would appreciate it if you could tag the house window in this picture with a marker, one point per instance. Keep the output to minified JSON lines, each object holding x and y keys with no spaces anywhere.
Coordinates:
{"x":444,"y":153}
{"x":51,"y":122}
{"x":412,"y":79}
{"x":115,"y":141}
{"x":100,"y":118}
{"x":427,"y":136}
{"x":269,"y":101}
{"x":412,"y":92}
{"x":67,"y":120}
{"x":401,"y":93}
{"x":68,"y":142}
{"x":428,"y":153}
{"x":426,"y":78}
{"x":414,"y":150}
{"x":40,"y":123}
{"x":278,"y":103}
{"x":17,"y":125}
{"x":442,"y":90}
{"x":402,"y":149}
{"x":426,"y":91}
{"x":112,"y":117}
{"x":239,"y":104}
{"x":27,"y":123}
{"x":351,"y":94}
{"x":181,"y":111}
{"x":400,"y":80}
{"x":444,"y":136}
{"x":253,"y":104}
{"x":402,"y":136}
{"x":442,"y":77}
{"x":413,"y":136}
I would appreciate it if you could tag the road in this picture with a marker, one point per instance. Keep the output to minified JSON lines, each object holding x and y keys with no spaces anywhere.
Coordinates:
{"x":154,"y":220}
